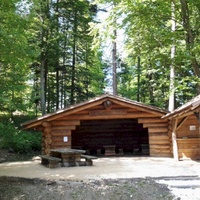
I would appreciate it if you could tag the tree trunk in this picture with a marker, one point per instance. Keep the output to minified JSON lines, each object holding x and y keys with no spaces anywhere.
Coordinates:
{"x":138,"y":78}
{"x":72,"y":100}
{"x":114,"y":61}
{"x":172,"y":70}
{"x":42,"y":87}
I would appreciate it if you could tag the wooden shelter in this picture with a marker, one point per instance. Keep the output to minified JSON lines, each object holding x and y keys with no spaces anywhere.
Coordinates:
{"x":185,"y":122}
{"x":106,"y":120}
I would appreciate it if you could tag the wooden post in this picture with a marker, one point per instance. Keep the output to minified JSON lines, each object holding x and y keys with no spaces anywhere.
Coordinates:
{"x":174,"y":142}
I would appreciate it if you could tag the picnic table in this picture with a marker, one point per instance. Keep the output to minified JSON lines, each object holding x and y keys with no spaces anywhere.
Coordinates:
{"x":69,"y":157}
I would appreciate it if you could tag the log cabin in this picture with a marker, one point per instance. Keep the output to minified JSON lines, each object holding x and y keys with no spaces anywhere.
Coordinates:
{"x":185,"y":131}
{"x":106,"y":121}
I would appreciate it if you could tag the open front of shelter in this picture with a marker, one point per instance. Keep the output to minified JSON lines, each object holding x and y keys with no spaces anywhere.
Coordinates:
{"x":107,"y":125}
{"x":121,"y":136}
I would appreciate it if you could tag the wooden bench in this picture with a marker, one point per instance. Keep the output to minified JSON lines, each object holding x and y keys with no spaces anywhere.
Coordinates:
{"x":88,"y":159}
{"x":50,"y":161}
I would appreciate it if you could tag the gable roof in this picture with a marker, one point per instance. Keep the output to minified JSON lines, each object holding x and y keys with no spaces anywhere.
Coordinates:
{"x":90,"y":103}
{"x":186,"y":109}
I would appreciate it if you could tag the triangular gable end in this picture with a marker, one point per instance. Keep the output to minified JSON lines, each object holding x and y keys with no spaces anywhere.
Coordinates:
{"x":104,"y":106}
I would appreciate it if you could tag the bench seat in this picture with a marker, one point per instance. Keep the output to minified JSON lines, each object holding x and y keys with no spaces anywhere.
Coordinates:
{"x":88,"y":159}
{"x":50,"y":161}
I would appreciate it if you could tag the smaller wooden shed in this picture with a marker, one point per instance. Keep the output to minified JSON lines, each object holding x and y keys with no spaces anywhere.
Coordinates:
{"x":185,"y":122}
{"x":106,"y":120}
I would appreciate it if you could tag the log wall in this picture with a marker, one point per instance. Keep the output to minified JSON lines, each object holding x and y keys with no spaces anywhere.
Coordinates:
{"x":188,"y":139}
{"x":154,"y":131}
{"x":54,"y":133}
{"x":159,"y":136}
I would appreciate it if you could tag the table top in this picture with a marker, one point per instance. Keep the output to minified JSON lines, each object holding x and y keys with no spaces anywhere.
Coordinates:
{"x":68,"y":151}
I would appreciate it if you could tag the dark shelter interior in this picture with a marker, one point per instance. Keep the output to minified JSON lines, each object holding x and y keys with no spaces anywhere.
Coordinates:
{"x":126,"y":135}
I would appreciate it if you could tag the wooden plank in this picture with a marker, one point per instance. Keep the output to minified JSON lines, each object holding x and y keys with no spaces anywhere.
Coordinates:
{"x":157,"y":146}
{"x":107,"y":112}
{"x":189,"y":150}
{"x":151,"y":120}
{"x":159,"y":151}
{"x":159,"y":137}
{"x":59,"y":139}
{"x":158,"y":129}
{"x":191,"y":155}
{"x":65,"y":122}
{"x":64,"y":128}
{"x":189,"y":140}
{"x":188,"y":146}
{"x":88,"y":117}
{"x":162,"y":124}
{"x":61,"y":133}
{"x":167,"y":155}
{"x":155,"y":142}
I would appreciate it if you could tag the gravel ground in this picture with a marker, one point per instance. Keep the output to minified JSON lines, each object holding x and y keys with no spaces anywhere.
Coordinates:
{"x":13,"y":188}
{"x":123,"y":178}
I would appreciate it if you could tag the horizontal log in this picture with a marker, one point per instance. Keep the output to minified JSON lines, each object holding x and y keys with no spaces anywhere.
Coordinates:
{"x":189,"y":145}
{"x":151,"y":120}
{"x":188,"y":140}
{"x":61,"y":133}
{"x":159,"y":137}
{"x":158,"y":129}
{"x":65,"y":123}
{"x":166,"y":155}
{"x":157,"y":142}
{"x":194,"y":155}
{"x":157,"y":146}
{"x":107,"y":112}
{"x":147,"y":125}
{"x":197,"y":150}
{"x":117,"y":116}
{"x":61,"y":144}
{"x":64,"y":127}
{"x":159,"y":151}
{"x":59,"y":139}
{"x":159,"y":134}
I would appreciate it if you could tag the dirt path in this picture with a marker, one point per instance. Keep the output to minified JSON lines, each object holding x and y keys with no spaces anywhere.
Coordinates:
{"x":113,"y":174}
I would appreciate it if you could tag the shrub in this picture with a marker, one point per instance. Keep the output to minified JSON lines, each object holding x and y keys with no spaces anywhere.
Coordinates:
{"x":19,"y":141}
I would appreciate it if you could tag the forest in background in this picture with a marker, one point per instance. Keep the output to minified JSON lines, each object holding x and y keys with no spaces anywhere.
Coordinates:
{"x":55,"y":53}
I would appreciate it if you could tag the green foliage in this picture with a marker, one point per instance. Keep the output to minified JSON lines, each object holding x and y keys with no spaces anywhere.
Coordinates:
{"x":15,"y":57}
{"x":149,"y":36}
{"x":18,"y":140}
{"x":71,"y":69}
